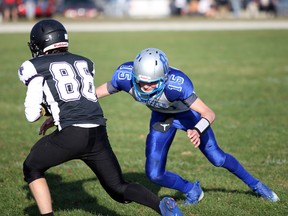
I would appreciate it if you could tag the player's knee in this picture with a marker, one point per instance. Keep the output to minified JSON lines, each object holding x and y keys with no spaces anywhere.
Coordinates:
{"x":217,"y":159}
{"x":116,"y":192}
{"x":31,"y":174}
{"x":218,"y":162}
{"x":155,"y":177}
{"x":153,"y":170}
{"x":152,"y":178}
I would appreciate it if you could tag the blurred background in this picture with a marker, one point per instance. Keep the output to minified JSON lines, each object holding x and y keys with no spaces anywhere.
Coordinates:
{"x":15,"y":10}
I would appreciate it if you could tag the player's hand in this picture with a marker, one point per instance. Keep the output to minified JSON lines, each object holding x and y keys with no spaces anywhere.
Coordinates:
{"x":194,"y":137}
{"x":48,"y":123}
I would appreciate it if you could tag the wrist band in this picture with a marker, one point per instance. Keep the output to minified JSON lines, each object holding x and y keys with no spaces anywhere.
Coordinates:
{"x":202,"y":125}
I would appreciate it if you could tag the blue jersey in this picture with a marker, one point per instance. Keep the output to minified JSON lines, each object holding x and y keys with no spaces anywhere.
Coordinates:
{"x":177,"y":96}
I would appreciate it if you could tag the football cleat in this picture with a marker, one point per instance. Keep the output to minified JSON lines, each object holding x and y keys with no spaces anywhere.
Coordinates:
{"x":194,"y":195}
{"x":265,"y":192}
{"x":169,"y":207}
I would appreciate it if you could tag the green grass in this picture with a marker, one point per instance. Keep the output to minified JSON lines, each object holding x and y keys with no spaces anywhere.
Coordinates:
{"x":241,"y":75}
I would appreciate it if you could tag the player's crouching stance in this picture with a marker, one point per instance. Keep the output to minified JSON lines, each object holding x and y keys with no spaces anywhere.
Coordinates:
{"x":169,"y":93}
{"x":64,"y":82}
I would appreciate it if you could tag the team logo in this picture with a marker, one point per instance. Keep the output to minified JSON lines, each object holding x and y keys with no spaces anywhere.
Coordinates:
{"x":165,"y":126}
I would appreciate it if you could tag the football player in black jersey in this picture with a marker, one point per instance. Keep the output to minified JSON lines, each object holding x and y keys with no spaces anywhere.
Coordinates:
{"x":61,"y":84}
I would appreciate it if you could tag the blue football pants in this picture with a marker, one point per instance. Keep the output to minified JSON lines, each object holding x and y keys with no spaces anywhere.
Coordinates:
{"x":159,"y":142}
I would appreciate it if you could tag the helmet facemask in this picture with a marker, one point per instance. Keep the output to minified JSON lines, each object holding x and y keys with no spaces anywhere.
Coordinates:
{"x":145,"y":96}
{"x":35,"y":50}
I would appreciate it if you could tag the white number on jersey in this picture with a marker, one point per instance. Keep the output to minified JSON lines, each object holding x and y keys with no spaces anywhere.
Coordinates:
{"x":67,"y":84}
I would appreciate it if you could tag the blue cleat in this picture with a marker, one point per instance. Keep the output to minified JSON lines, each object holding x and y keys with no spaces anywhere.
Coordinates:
{"x":169,"y":207}
{"x":265,"y":192}
{"x":194,"y":195}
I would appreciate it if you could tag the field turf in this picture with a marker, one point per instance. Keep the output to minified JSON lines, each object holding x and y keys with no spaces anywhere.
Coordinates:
{"x":241,"y":75}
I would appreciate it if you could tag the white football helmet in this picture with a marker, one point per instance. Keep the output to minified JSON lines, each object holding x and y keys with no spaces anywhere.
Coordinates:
{"x":150,"y":65}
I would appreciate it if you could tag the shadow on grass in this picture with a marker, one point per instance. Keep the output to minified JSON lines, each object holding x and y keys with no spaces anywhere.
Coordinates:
{"x":68,"y":196}
{"x":178,"y":195}
{"x":142,"y":179}
{"x":72,"y":195}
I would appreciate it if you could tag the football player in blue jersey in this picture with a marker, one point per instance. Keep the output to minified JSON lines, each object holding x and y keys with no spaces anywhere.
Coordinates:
{"x":170,"y":95}
{"x":62,"y":84}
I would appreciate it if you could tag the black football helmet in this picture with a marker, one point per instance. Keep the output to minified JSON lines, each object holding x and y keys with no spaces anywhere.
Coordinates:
{"x":46,"y":35}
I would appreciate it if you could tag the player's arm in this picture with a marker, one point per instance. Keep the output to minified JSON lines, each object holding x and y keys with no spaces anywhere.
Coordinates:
{"x":121,"y":80}
{"x":106,"y":89}
{"x":33,"y":101}
{"x":102,"y":91}
{"x":205,"y":112}
{"x":207,"y":118}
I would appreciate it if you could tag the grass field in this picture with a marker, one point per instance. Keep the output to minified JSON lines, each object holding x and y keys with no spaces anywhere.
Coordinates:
{"x":241,"y":75}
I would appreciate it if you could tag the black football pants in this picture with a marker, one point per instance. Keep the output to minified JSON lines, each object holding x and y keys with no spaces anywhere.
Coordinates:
{"x":92,"y":146}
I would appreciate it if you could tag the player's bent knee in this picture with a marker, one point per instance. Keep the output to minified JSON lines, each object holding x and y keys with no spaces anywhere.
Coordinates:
{"x":158,"y":179}
{"x":218,"y":163}
{"x":217,"y":159}
{"x":31,"y":174}
{"x":116,"y":192}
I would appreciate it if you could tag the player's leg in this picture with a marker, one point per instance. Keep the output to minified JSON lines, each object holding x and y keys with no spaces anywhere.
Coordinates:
{"x":40,"y":190}
{"x":159,"y":140}
{"x":157,"y":147}
{"x":103,"y":162}
{"x":49,"y":151}
{"x":219,"y":158}
{"x":213,"y":152}
{"x":34,"y":167}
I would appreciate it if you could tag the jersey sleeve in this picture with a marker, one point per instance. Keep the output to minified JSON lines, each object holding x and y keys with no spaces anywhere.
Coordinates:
{"x":27,"y":72}
{"x":179,"y":87}
{"x":92,"y":69}
{"x":33,"y":100}
{"x":34,"y":94}
{"x":122,"y":77}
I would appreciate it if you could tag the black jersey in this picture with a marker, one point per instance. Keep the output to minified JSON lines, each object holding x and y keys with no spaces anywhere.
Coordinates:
{"x":68,"y":88}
